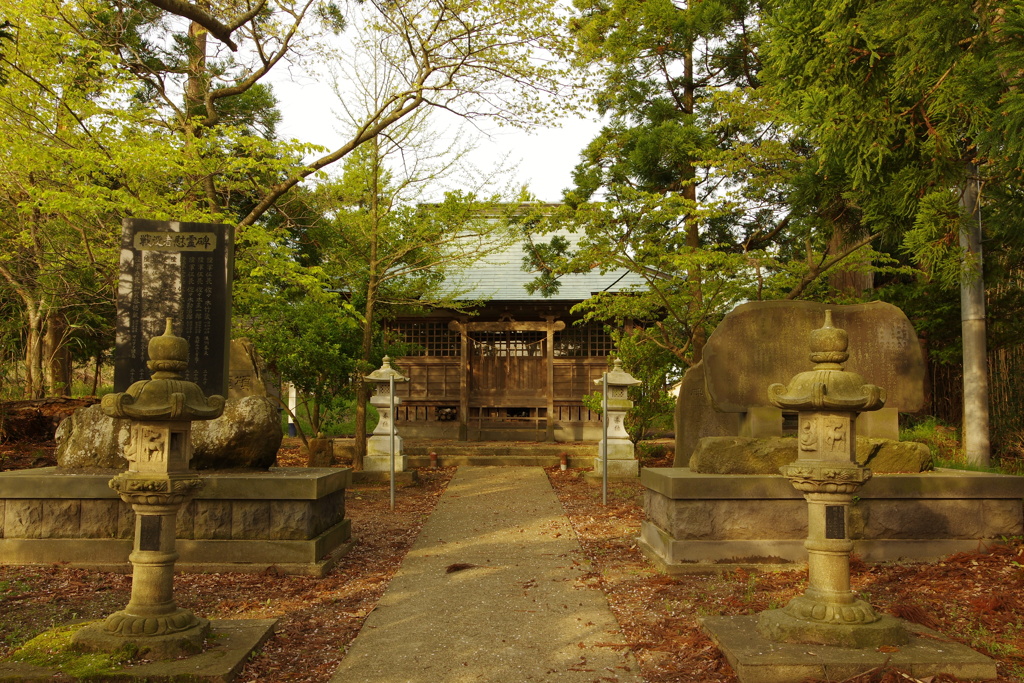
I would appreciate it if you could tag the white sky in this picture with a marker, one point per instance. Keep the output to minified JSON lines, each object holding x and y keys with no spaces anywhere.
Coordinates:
{"x":542,"y":159}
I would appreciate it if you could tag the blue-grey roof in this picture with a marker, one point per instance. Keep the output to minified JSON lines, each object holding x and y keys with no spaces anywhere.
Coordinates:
{"x":500,"y":277}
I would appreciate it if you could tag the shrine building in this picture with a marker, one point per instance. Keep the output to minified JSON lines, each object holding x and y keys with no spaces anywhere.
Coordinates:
{"x":516,"y":370}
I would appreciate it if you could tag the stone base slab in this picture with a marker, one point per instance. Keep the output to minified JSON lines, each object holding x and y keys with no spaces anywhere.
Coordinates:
{"x":382,"y":463}
{"x":617,"y":469}
{"x":289,"y":518}
{"x":707,"y":522}
{"x":234,"y":641}
{"x":755,"y":659}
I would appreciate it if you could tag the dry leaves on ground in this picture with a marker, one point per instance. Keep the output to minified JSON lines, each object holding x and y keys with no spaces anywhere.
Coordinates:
{"x":971,"y":598}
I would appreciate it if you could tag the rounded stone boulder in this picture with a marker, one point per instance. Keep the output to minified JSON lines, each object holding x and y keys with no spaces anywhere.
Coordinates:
{"x":744,"y":455}
{"x":89,"y":439}
{"x":247,"y":435}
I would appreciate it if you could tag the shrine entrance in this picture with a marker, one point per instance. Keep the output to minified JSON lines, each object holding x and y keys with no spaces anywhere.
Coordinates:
{"x":500,"y":380}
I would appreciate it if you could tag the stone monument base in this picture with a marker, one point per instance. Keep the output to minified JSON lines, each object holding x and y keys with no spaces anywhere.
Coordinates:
{"x":708,"y":522}
{"x":292,"y":519}
{"x":756,"y":659}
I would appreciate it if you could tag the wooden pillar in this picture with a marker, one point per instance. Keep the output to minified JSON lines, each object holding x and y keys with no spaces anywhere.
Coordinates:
{"x":459,"y":327}
{"x":550,"y":432}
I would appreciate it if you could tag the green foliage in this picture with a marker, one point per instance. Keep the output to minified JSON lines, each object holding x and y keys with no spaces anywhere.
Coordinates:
{"x":53,"y":649}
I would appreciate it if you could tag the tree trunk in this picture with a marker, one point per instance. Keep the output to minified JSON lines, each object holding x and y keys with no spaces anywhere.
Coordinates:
{"x":33,"y":355}
{"x":56,"y":356}
{"x":845,"y":280}
{"x":372,"y":282}
{"x":972,"y":316}
{"x":698,"y":334}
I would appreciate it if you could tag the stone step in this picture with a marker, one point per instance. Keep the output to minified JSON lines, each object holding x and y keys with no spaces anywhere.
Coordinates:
{"x":486,"y":448}
{"x":500,"y":461}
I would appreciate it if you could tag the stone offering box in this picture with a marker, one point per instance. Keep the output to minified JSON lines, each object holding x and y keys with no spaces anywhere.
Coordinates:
{"x":707,"y":522}
{"x":292,"y":519}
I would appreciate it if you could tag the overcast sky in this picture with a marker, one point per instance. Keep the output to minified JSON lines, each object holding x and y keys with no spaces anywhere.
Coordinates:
{"x":542,"y":159}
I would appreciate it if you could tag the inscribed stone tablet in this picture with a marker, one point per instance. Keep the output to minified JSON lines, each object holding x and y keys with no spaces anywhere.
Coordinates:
{"x":764,"y":342}
{"x":181,"y":271}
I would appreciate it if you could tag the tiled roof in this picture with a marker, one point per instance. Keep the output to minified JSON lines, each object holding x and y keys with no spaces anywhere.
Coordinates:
{"x":500,"y":277}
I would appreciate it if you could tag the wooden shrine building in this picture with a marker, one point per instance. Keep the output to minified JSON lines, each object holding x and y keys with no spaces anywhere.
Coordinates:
{"x":515,"y":371}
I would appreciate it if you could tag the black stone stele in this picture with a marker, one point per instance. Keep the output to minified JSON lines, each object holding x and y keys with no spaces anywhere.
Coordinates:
{"x":182,"y":271}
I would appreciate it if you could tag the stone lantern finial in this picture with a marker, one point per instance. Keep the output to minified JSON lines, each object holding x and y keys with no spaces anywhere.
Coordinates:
{"x":828,"y":386}
{"x":167,"y":396}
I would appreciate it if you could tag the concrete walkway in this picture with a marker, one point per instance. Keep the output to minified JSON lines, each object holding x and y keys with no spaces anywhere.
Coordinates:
{"x":519,"y":614}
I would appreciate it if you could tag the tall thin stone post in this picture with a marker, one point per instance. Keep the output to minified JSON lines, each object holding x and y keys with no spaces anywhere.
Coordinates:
{"x":828,"y":399}
{"x":158,"y":481}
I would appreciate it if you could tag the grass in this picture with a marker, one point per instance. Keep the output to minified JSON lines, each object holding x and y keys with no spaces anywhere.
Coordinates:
{"x":944,"y":442}
{"x":53,"y":649}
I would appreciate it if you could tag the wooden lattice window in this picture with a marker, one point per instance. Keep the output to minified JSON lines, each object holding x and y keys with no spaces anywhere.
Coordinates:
{"x":582,"y":341}
{"x":428,"y":338}
{"x":508,"y":344}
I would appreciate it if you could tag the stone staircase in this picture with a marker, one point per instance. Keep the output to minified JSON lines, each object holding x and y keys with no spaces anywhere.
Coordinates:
{"x":499,"y":453}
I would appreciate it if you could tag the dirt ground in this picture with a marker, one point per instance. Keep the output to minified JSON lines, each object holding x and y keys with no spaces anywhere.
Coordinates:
{"x":970,"y":598}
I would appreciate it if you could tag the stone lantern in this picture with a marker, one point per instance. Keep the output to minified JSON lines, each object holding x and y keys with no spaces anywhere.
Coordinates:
{"x":827,"y":400}
{"x":622,"y":461}
{"x":378,"y":446}
{"x":158,"y":481}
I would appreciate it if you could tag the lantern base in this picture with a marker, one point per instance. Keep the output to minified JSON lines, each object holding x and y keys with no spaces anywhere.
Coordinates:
{"x":97,"y":638}
{"x":781,"y":626}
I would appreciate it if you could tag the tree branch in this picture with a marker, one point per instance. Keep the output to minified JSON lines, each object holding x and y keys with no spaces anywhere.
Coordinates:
{"x":218,"y":30}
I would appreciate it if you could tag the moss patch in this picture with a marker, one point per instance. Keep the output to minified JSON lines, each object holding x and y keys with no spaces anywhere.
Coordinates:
{"x":53,"y":650}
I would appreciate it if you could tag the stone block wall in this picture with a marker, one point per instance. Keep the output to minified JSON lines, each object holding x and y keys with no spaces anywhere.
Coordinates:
{"x":290,"y":518}
{"x":706,"y":521}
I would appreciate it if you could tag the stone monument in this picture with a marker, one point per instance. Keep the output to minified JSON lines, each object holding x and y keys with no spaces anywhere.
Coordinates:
{"x":158,"y":481}
{"x":183,"y":271}
{"x":378,"y":446}
{"x":760,"y":343}
{"x":622,"y":462}
{"x":827,"y":400}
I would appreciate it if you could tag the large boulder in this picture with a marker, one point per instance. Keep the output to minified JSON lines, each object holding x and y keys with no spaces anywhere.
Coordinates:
{"x":89,"y":439}
{"x":246,"y":436}
{"x":885,"y":455}
{"x":742,"y":455}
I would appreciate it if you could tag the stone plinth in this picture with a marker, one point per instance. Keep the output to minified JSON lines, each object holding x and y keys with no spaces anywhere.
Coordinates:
{"x":289,"y":518}
{"x":755,"y":659}
{"x":701,"y":522}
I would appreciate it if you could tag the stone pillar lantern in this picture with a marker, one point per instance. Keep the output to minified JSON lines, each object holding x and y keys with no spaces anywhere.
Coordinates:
{"x":158,"y":481}
{"x":622,"y":461}
{"x":378,"y":446}
{"x":827,"y":400}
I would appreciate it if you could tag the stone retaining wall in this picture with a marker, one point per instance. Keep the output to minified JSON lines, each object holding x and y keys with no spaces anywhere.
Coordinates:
{"x":697,"y":522}
{"x":289,"y":518}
